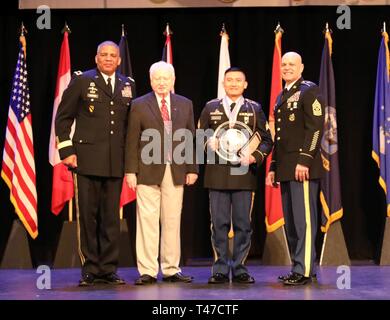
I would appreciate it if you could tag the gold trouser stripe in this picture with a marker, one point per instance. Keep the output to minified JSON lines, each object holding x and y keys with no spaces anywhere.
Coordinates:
{"x":250,"y":219}
{"x":308,"y":243}
{"x":76,"y":191}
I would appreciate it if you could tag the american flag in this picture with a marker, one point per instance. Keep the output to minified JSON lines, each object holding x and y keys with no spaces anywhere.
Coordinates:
{"x":18,"y":169}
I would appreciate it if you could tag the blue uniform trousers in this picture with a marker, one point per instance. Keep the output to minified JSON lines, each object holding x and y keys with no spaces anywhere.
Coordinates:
{"x":300,"y":208}
{"x":226,"y":207}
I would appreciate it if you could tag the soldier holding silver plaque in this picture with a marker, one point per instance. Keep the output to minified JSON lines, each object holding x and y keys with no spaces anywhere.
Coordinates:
{"x":238,"y":142}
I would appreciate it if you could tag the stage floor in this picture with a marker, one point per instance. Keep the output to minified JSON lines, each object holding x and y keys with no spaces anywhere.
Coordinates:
{"x":366,"y":282}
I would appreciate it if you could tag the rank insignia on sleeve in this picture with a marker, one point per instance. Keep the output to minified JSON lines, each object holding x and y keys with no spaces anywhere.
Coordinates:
{"x":317,"y":111}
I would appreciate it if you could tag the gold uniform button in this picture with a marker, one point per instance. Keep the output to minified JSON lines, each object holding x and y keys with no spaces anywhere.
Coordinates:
{"x":92,"y":100}
{"x":112,"y":112}
{"x":278,"y":129}
{"x":111,"y":132}
{"x":279,"y":111}
{"x":279,"y":120}
{"x":112,"y":122}
{"x":300,"y":150}
{"x":112,"y":103}
{"x":81,"y":141}
{"x":278,"y":138}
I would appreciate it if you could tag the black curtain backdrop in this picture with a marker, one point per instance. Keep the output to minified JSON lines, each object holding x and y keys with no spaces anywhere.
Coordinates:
{"x":196,"y":44}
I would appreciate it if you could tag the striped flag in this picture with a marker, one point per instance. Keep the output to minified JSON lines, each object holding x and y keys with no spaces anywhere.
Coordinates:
{"x":62,"y":190}
{"x":330,"y":194}
{"x":127,"y":195}
{"x":18,"y":168}
{"x":167,"y":50}
{"x":224,"y":61}
{"x":273,"y":201}
{"x":381,"y":121}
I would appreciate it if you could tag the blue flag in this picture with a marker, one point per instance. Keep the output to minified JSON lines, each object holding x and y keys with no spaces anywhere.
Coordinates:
{"x":330,"y":195}
{"x":125,"y":66}
{"x":381,"y":123}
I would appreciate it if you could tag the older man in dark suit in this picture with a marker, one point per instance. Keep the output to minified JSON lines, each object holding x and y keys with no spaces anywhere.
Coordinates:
{"x":159,"y":173}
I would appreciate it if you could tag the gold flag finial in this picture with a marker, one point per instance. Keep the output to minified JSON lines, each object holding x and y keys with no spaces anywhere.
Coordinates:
{"x":66,"y":29}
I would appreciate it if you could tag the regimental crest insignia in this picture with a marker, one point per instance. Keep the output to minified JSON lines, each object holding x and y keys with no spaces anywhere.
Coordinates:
{"x":291,"y":117}
{"x":317,"y":111}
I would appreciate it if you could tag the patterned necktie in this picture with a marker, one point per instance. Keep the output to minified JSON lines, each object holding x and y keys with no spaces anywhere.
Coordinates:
{"x":167,"y":125}
{"x":164,"y":111}
{"x":109,"y":85}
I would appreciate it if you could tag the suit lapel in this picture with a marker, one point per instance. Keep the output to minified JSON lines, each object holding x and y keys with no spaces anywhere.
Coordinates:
{"x":153,"y":106}
{"x":174,"y":108}
{"x":118,"y":85}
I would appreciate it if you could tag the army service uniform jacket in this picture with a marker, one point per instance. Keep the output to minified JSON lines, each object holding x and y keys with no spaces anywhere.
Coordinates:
{"x":101,"y":123}
{"x":218,"y":175}
{"x":299,"y":121}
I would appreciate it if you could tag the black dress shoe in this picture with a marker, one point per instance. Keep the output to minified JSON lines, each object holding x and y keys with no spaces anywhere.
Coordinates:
{"x":144,"y":280}
{"x":282,"y":278}
{"x":111,"y":278}
{"x":218,"y":278}
{"x":87,"y":280}
{"x":243,"y":278}
{"x":297,"y":279}
{"x":178,"y":277}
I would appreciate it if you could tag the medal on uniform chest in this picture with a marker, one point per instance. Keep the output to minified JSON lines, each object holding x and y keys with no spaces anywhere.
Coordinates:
{"x":91,"y":108}
{"x":291,"y":117}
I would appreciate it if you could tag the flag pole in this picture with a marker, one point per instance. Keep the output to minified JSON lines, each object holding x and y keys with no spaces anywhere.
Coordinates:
{"x":70,"y":204}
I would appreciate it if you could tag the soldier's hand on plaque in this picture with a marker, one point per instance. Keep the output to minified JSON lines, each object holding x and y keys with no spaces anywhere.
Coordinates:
{"x":247,"y":159}
{"x":213,"y":143}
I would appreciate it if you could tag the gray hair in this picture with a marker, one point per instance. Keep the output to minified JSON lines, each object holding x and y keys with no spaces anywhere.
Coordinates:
{"x":107,"y":43}
{"x":161,"y":65}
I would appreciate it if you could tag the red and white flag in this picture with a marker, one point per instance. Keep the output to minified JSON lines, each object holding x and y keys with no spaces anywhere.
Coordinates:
{"x":18,"y":167}
{"x":62,"y":190}
{"x":224,"y":61}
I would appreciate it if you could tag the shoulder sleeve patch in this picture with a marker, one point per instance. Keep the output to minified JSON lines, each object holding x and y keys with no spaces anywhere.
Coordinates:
{"x":78,"y":73}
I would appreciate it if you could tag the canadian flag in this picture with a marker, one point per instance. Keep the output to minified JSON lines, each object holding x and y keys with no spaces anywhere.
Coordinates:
{"x":63,"y":189}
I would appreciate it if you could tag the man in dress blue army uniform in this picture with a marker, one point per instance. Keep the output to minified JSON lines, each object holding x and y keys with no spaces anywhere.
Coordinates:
{"x":232,"y":184}
{"x":98,"y":100}
{"x":297,"y":165}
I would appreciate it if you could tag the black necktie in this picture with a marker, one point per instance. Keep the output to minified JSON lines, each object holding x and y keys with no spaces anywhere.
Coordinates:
{"x":109,"y":85}
{"x":285,"y":92}
{"x":232,"y":106}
